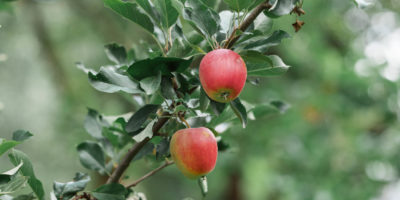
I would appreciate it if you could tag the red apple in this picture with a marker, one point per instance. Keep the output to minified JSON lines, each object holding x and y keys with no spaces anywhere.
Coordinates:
{"x":223,"y":75}
{"x":194,"y":151}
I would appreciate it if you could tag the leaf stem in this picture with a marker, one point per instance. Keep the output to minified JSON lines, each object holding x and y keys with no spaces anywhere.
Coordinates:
{"x":151,"y":173}
{"x":246,"y":23}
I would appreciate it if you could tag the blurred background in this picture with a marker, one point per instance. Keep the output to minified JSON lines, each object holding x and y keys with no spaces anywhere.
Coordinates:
{"x":339,"y":140}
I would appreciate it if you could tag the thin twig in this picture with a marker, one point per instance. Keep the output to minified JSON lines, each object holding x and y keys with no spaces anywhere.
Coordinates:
{"x":246,"y":23}
{"x":151,"y":173}
{"x":126,"y":160}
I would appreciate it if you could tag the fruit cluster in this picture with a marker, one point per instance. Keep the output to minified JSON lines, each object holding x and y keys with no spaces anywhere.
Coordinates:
{"x":222,"y":75}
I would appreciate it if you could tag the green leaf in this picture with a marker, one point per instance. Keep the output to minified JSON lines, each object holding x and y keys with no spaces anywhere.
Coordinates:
{"x":240,"y":111}
{"x":110,"y":81}
{"x":217,"y":107}
{"x":21,"y":135}
{"x":15,"y":184}
{"x":146,"y":133}
{"x":7,"y":145}
{"x":168,"y":13}
{"x":262,"y":44}
{"x":69,"y":189}
{"x":272,"y":108}
{"x":260,"y":65}
{"x":146,"y":150}
{"x":25,"y":197}
{"x":204,"y":100}
{"x":167,"y":89}
{"x":239,"y":5}
{"x":136,"y":121}
{"x":280,"y":8}
{"x":203,"y":19}
{"x":91,"y":156}
{"x":16,"y":157}
{"x":94,"y":124}
{"x":5,"y":177}
{"x":151,"y":84}
{"x":116,"y":53}
{"x":162,"y":149}
{"x":113,"y":191}
{"x":131,"y":12}
{"x":152,"y":66}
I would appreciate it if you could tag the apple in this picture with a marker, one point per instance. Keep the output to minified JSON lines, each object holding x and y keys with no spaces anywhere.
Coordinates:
{"x":222,"y":74}
{"x":194,"y":151}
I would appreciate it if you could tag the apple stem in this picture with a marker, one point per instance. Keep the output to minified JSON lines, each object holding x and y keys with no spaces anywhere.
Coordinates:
{"x":184,"y":121}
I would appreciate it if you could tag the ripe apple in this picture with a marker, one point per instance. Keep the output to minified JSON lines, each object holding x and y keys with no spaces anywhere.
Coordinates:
{"x":194,"y":151}
{"x":222,"y":74}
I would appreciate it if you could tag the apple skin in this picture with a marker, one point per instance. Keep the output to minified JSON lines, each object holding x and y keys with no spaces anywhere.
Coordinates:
{"x":194,"y":151}
{"x":222,"y":74}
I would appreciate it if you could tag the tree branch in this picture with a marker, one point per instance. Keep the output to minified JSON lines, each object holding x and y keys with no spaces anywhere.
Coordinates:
{"x":246,"y":23}
{"x":126,"y":160}
{"x":151,"y":173}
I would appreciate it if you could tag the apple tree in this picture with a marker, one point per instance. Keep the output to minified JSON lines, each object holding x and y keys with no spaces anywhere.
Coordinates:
{"x":183,"y":85}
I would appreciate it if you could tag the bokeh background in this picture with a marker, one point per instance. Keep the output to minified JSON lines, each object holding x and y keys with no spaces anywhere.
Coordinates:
{"x":339,"y":140}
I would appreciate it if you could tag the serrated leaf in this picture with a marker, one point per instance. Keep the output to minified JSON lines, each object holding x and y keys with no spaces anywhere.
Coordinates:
{"x":151,"y":84}
{"x":202,"y":18}
{"x":153,"y":66}
{"x":116,"y":53}
{"x":113,"y":191}
{"x":21,"y":135}
{"x":92,"y":156}
{"x":146,"y":133}
{"x":131,"y":12}
{"x":6,"y":145}
{"x":240,"y":111}
{"x":16,"y":157}
{"x":260,"y":65}
{"x":136,"y":121}
{"x":69,"y":189}
{"x":162,"y":149}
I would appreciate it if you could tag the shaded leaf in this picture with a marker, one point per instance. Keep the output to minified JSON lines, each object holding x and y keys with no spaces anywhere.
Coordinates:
{"x":146,"y":150}
{"x":136,"y":121}
{"x":146,"y":133}
{"x":204,"y":100}
{"x":167,"y":89}
{"x":203,"y":19}
{"x":21,"y":135}
{"x":240,"y":111}
{"x":92,"y":156}
{"x":280,"y":8}
{"x":217,"y":107}
{"x":168,"y":13}
{"x":94,"y":123}
{"x":69,"y":189}
{"x":151,"y":84}
{"x":261,"y":65}
{"x":116,"y":53}
{"x":262,"y":44}
{"x":131,"y":12}
{"x":113,"y":191}
{"x":7,"y":145}
{"x":152,"y":66}
{"x":14,"y":184}
{"x":16,"y":157}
